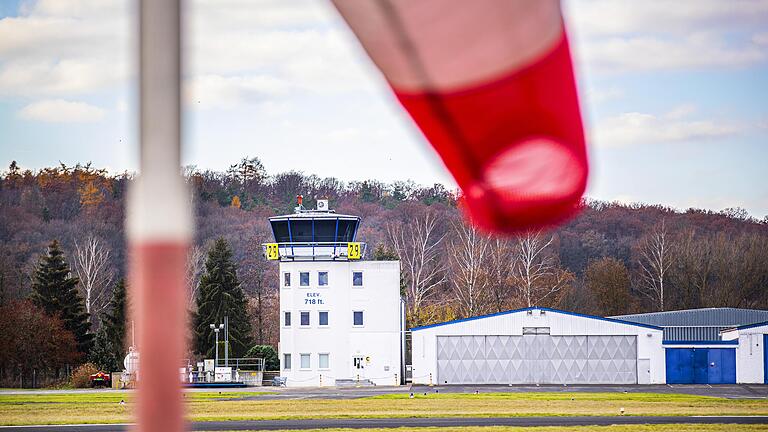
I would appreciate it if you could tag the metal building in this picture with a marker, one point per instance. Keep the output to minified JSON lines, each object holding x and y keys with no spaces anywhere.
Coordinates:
{"x":751,"y":352}
{"x":538,"y":346}
{"x":698,"y":324}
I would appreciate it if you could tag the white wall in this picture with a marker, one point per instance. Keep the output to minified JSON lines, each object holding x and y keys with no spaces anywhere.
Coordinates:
{"x":561,"y":324}
{"x":749,"y":354}
{"x":378,"y":339}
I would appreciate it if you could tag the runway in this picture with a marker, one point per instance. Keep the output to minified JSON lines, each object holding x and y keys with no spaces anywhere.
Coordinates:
{"x":271,"y":425}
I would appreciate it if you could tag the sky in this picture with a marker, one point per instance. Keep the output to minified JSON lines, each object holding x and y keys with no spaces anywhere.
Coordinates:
{"x":674,"y":94}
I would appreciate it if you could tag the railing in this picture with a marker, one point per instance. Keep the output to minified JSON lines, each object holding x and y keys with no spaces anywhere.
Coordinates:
{"x":312,"y":251}
{"x":249,"y":371}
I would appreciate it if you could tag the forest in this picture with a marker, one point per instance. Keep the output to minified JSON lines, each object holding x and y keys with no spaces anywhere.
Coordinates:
{"x":611,"y":259}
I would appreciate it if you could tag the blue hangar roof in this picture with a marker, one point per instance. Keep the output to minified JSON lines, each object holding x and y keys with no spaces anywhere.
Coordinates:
{"x":614,"y":320}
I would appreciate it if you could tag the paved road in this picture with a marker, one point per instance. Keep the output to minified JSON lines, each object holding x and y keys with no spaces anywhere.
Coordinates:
{"x":412,"y":422}
{"x":731,"y":391}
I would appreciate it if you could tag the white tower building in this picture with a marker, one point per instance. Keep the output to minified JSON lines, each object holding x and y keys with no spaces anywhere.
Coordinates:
{"x":341,"y":318}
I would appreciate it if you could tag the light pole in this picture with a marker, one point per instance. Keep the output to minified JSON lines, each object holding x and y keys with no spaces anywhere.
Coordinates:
{"x":216,"y":329}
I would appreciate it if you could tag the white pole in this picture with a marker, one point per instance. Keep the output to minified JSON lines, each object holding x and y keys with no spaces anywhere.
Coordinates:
{"x":159,"y":221}
{"x":226,"y":341}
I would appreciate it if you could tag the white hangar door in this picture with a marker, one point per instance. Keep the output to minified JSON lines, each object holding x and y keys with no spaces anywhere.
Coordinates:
{"x":537,"y":359}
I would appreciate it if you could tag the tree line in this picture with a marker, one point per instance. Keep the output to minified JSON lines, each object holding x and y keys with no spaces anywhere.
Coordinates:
{"x":611,"y":259}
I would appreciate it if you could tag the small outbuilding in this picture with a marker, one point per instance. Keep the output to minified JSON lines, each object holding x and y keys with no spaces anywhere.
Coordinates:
{"x":751,"y":342}
{"x":538,"y":346}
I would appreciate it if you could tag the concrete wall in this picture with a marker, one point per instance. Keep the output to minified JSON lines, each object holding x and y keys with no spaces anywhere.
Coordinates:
{"x":650,"y":352}
{"x":377,"y":341}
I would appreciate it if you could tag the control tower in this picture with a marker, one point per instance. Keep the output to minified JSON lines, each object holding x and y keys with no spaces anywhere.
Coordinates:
{"x":342,"y":320}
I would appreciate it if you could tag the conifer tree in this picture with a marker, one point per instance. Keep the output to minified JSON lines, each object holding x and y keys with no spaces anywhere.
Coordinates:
{"x":109,"y":348}
{"x":220,"y":295}
{"x":54,"y":290}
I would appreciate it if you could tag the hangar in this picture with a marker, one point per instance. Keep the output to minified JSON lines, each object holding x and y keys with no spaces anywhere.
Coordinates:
{"x":538,"y":346}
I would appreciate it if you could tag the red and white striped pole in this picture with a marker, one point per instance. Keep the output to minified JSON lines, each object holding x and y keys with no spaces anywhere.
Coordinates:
{"x":159,"y":222}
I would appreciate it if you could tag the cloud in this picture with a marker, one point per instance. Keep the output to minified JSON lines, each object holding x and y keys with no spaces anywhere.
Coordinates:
{"x":612,"y":17}
{"x":65,"y":47}
{"x":635,"y":128}
{"x":61,"y":111}
{"x":651,"y":53}
{"x":216,"y":91}
{"x":596,"y":95}
{"x":629,"y":36}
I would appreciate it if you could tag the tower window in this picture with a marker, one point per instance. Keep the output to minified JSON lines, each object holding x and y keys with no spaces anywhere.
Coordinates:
{"x":357,"y":318}
{"x":305,"y":361}
{"x":287,"y":319}
{"x":286,"y":279}
{"x":323,"y":318}
{"x":357,"y":278}
{"x":304,"y":279}
{"x":322,"y":278}
{"x":286,"y":362}
{"x":304,"y":318}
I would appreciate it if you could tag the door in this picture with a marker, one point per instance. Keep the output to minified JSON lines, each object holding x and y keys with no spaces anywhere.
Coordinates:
{"x":358,"y":367}
{"x":701,"y":365}
{"x":536,"y":359}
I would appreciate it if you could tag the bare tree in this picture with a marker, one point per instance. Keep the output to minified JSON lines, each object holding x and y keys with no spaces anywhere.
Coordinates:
{"x":195,"y":265}
{"x":418,"y":246}
{"x":501,"y":264}
{"x":93,"y":268}
{"x":468,"y":256}
{"x":537,"y":273}
{"x":655,"y":261}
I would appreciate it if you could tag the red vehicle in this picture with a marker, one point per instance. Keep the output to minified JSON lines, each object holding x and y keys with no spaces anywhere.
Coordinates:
{"x":101,"y":379}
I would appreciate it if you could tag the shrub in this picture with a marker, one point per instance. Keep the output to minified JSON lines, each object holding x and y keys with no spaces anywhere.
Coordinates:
{"x":81,"y":376}
{"x":271,"y":362}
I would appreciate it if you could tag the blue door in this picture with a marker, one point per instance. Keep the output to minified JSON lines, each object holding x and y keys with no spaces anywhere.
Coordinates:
{"x":701,"y":365}
{"x":722,"y":366}
{"x":679,"y":365}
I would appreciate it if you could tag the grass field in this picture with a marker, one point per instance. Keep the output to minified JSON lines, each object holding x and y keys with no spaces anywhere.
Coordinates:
{"x":21,"y":409}
{"x":627,"y":428}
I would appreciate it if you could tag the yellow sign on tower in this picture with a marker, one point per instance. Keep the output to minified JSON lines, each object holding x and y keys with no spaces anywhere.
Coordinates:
{"x":273,"y":252}
{"x":353,"y":250}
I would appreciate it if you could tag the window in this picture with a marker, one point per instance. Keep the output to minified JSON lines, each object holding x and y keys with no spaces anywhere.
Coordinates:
{"x":286,"y":279}
{"x":304,"y":279}
{"x":304,"y":318}
{"x":535,"y":330}
{"x":322,"y":361}
{"x":305,"y":361}
{"x":323,"y":318}
{"x":322,"y":278}
{"x":357,"y":318}
{"x":357,"y":279}
{"x":286,"y":362}
{"x":287,"y":319}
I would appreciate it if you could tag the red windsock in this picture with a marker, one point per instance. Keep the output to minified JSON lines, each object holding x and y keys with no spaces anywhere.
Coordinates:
{"x":490,"y":84}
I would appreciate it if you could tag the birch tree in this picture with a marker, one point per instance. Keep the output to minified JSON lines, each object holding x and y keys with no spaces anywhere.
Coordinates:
{"x":469,"y":251}
{"x":93,"y":268}
{"x":418,"y":246}
{"x":194,"y":269}
{"x":537,"y":273}
{"x":655,"y":261}
{"x":501,"y":264}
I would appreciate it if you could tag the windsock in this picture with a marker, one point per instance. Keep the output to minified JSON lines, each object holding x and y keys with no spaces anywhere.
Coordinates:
{"x":490,"y":84}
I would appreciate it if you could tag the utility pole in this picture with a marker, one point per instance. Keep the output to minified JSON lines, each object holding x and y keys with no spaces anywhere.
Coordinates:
{"x":226,"y":340}
{"x":216,"y":329}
